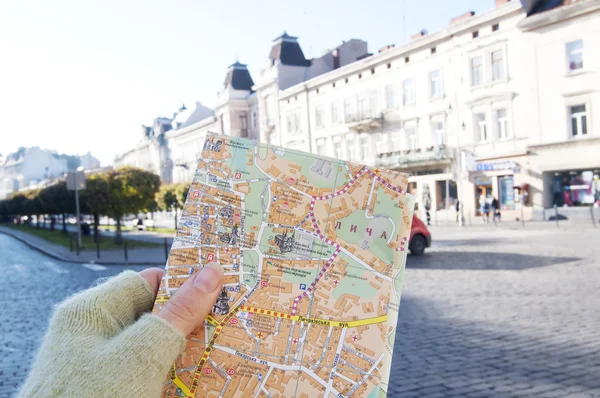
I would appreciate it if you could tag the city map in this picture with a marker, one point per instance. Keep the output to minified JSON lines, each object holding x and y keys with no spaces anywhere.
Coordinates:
{"x":314,"y":251}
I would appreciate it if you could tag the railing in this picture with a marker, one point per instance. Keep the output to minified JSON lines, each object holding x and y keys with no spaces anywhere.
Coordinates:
{"x":408,"y":156}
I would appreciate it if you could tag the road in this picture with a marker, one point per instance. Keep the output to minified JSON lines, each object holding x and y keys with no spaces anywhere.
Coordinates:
{"x":486,"y":312}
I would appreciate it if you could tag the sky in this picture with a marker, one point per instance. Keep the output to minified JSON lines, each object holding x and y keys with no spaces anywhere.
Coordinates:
{"x":79,"y":76}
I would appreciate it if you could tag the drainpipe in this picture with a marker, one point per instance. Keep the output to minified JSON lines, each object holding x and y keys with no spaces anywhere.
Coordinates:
{"x":308,"y":119}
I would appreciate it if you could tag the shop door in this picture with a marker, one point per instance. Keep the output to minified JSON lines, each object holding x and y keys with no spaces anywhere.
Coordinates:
{"x":482,"y":193}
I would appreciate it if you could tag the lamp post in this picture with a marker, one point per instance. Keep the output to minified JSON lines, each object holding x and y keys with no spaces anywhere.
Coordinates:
{"x":75,"y":182}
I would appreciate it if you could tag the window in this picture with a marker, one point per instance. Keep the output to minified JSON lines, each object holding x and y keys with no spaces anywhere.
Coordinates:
{"x":333,"y":85}
{"x":395,"y":142}
{"x":378,"y":143}
{"x":290,"y":122}
{"x":578,"y":120}
{"x":497,"y":65}
{"x":272,"y":137}
{"x":335,"y":113}
{"x":361,"y":107}
{"x":506,"y":186}
{"x":433,"y":50}
{"x":374,"y":103}
{"x":360,"y":75}
{"x":317,"y":91}
{"x":319,"y":117}
{"x":495,"y":27}
{"x":406,"y":60}
{"x":408,"y":92}
{"x":476,"y":34}
{"x":348,"y":109}
{"x":349,"y":148}
{"x":372,"y":71}
{"x":481,"y":127}
{"x":502,"y":123}
{"x":337,"y":148}
{"x":438,"y":133}
{"x":297,"y":126}
{"x":363,"y":148}
{"x":390,"y":97}
{"x":254,"y":120}
{"x":389,"y":66}
{"x":321,"y":147}
{"x":476,"y":71}
{"x":575,"y":55}
{"x":346,"y":80}
{"x":411,"y":138}
{"x":435,"y":89}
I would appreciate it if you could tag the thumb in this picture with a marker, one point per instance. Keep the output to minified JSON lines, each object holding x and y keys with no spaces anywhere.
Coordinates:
{"x":194,"y":299}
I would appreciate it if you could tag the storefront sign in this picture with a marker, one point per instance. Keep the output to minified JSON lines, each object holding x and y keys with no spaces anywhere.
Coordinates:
{"x":493,"y":166}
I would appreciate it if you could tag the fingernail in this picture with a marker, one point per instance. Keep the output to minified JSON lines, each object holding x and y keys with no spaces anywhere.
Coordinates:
{"x":209,"y":278}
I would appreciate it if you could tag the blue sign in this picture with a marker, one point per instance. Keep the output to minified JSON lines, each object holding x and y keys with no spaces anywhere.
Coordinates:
{"x":303,"y":286}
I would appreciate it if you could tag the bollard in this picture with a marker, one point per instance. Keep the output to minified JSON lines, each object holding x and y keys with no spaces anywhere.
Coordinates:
{"x":125,"y":249}
{"x":556,"y":214}
{"x":592,"y":214}
{"x":97,"y":248}
{"x":166,"y":249}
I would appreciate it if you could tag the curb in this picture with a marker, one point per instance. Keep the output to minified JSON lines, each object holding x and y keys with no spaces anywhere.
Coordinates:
{"x":59,"y":258}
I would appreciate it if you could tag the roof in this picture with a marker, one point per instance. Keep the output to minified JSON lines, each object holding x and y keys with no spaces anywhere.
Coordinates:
{"x":538,"y":6}
{"x":287,"y":50}
{"x":238,"y":77}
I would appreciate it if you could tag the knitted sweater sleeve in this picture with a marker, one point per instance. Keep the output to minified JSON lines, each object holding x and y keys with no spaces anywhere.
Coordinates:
{"x":97,"y":345}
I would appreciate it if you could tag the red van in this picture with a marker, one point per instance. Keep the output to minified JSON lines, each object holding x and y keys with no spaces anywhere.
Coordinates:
{"x":420,"y":237}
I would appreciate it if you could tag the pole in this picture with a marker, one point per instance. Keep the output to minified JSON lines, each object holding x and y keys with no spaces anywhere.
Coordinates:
{"x":522,"y":218}
{"x":78,"y":221}
{"x":592,"y":214}
{"x":556,"y":214}
{"x":98,"y":248}
{"x":447,"y":196}
{"x":125,"y":249}
{"x":166,"y":249}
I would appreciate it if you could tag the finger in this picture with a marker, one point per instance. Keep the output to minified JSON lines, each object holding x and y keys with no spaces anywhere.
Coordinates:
{"x":153,"y":277}
{"x":194,"y":299}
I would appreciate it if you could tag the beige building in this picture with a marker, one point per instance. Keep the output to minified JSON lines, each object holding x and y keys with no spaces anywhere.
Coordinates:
{"x":497,"y":105}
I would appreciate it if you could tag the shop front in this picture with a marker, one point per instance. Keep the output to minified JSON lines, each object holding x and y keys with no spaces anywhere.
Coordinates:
{"x":500,"y":183}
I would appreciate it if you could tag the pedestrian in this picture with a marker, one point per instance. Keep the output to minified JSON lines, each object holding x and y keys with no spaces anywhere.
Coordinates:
{"x":495,"y":209}
{"x":103,"y":342}
{"x":427,"y":203}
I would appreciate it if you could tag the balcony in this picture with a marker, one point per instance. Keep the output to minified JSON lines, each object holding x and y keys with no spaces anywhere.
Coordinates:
{"x":437,"y":156}
{"x":364,"y":121}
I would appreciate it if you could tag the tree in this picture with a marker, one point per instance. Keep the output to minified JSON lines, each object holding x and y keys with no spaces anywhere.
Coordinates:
{"x":167,"y":199}
{"x":96,"y":196}
{"x":130,"y":190}
{"x":182,"y":191}
{"x":57,"y":199}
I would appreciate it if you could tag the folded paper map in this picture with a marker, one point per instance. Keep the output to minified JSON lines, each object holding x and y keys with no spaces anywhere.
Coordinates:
{"x":314,"y":251}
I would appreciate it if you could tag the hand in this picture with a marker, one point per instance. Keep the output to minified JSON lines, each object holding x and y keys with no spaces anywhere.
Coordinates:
{"x":103,"y":343}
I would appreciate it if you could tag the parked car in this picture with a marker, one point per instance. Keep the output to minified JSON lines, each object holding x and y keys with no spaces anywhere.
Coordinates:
{"x":420,"y":237}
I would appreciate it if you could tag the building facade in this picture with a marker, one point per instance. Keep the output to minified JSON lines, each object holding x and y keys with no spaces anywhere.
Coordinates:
{"x":32,"y":167}
{"x":497,"y":105}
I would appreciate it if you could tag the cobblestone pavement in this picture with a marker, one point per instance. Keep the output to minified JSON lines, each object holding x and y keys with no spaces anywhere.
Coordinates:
{"x":501,"y":313}
{"x":485,"y":313}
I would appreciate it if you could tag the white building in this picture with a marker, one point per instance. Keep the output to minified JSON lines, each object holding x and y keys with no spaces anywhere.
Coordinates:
{"x":494,"y":105}
{"x":31,"y":167}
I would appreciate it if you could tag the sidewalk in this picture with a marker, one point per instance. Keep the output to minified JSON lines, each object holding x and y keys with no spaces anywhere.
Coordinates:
{"x":144,"y":256}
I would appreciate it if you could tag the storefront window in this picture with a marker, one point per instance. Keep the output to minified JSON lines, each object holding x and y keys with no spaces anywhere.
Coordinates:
{"x":441,"y":194}
{"x":576,"y":188}
{"x":507,"y":192}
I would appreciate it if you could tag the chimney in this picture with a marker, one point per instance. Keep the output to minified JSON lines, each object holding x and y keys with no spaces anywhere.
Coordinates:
{"x":385,"y":48}
{"x":418,"y":35}
{"x":500,"y":3}
{"x":462,"y":18}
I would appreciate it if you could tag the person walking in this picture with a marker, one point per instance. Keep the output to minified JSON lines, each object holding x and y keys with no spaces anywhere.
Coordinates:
{"x":495,"y":209}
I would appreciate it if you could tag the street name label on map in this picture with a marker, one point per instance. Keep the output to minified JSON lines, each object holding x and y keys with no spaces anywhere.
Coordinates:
{"x":313,"y":251}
